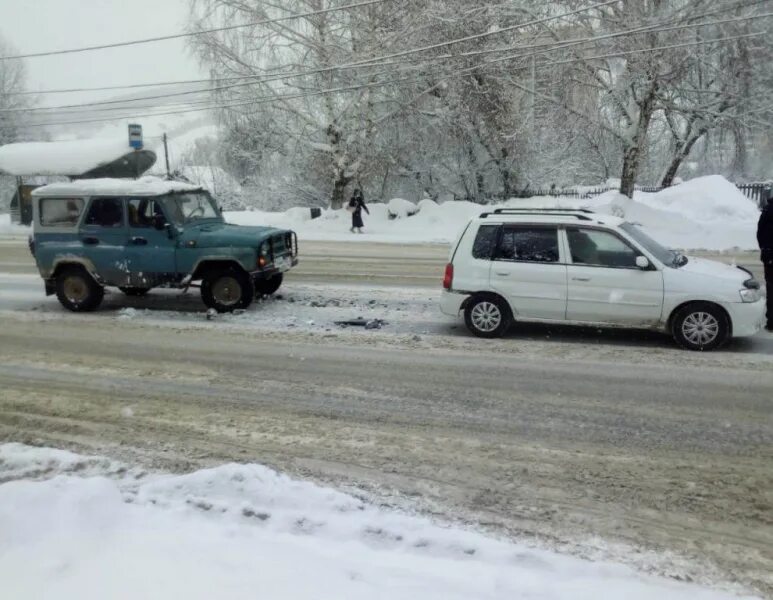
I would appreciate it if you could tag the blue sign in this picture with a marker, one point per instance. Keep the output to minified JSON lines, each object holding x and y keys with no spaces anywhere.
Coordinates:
{"x":135,"y":136}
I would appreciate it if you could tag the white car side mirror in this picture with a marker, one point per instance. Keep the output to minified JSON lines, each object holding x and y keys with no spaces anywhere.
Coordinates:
{"x":642,"y":262}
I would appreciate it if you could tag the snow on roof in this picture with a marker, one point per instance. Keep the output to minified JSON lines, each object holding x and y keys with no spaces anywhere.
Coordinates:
{"x":70,"y":158}
{"x":144,"y":186}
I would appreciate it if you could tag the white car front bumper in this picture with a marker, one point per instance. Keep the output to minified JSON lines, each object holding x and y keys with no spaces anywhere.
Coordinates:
{"x":747,"y":317}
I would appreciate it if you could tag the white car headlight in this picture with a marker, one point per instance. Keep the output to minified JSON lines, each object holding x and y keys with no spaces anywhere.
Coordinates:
{"x":750,"y":295}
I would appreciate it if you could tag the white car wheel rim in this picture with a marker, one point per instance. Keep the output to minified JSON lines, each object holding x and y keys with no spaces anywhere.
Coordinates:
{"x":700,"y":328}
{"x":486,"y":316}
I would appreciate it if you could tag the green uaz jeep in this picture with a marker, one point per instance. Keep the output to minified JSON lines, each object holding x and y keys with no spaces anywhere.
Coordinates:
{"x":139,"y":234}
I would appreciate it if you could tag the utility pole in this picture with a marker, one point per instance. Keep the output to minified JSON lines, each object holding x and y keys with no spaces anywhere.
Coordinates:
{"x":166,"y":157}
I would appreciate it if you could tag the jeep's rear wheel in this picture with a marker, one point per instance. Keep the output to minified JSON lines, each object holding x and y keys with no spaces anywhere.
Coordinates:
{"x":227,"y":290}
{"x":266,"y":287}
{"x":77,"y":291}
{"x":134,"y":291}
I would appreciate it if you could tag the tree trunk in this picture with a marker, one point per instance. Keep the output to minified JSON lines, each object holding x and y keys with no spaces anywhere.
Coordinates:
{"x":630,"y":170}
{"x":679,"y":157}
{"x":339,"y":189}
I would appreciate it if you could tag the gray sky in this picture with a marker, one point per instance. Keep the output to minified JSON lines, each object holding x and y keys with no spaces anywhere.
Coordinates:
{"x":42,"y":25}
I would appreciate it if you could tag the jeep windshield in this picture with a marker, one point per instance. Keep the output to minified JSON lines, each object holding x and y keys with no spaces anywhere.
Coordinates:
{"x":185,"y":208}
{"x":672,"y":258}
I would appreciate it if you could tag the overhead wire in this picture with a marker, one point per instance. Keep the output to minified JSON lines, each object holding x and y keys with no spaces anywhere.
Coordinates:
{"x":357,"y":87}
{"x":194,"y":33}
{"x":558,"y":45}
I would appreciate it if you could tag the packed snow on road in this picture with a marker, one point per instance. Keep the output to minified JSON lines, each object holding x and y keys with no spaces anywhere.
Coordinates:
{"x":79,"y":527}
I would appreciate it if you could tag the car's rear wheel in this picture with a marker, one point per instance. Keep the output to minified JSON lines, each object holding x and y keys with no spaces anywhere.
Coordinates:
{"x":77,"y":291}
{"x":266,"y":287}
{"x":134,"y":291}
{"x":227,"y":289}
{"x":701,"y":327}
{"x":487,"y":316}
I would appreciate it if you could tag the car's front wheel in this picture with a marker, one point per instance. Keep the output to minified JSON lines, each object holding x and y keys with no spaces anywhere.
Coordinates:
{"x":487,"y":316}
{"x":266,"y":287}
{"x":77,"y":291}
{"x":701,"y":327}
{"x":227,"y":290}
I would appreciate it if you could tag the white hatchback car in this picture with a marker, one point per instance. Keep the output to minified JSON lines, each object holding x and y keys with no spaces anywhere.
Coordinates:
{"x":578,"y":267}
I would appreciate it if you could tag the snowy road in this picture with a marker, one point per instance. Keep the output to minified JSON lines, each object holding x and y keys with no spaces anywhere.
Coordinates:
{"x":611,"y":445}
{"x":361,"y":262}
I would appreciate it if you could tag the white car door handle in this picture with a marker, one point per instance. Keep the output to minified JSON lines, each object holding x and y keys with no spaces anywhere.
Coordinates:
{"x":580,"y":278}
{"x":501,"y":274}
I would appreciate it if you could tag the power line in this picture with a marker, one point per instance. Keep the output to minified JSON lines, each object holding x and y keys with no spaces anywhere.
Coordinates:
{"x":194,"y":33}
{"x":374,"y":62}
{"x":238,"y":77}
{"x":303,"y":95}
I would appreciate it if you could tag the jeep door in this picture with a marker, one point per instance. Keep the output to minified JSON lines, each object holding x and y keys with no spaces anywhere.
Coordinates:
{"x":605,"y":285}
{"x":103,"y":236}
{"x":528,"y":271}
{"x":151,"y":250}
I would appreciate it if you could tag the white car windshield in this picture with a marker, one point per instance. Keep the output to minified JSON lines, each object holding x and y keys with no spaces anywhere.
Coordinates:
{"x":186,"y":208}
{"x":664,"y":255}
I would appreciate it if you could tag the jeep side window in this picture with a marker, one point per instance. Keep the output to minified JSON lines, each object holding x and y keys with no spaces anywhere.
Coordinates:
{"x":528,"y":244}
{"x":597,"y":248}
{"x":60,"y":212}
{"x":484,"y":242}
{"x":144,"y":212}
{"x":105,"y":212}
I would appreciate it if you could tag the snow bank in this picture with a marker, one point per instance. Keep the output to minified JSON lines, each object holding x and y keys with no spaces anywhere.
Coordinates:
{"x":245,"y":531}
{"x":400,"y":209}
{"x":706,"y":213}
{"x":8,"y":228}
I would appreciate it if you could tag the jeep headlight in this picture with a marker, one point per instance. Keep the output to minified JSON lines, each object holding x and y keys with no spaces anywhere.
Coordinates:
{"x":750,"y":295}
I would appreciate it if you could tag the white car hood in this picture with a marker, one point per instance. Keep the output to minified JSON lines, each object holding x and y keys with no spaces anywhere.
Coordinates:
{"x":714,"y":269}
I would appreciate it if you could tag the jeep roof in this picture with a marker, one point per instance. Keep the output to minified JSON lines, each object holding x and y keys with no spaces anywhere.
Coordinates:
{"x":145,"y":186}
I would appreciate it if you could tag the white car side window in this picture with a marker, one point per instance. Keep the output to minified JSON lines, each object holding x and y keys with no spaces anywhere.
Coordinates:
{"x":597,"y":248}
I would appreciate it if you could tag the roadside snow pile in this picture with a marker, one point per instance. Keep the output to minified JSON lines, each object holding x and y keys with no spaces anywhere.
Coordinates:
{"x":244,"y":531}
{"x":400,"y":209}
{"x":707,"y":213}
{"x":8,"y":228}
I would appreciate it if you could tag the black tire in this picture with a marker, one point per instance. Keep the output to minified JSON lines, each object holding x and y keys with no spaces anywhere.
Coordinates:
{"x":487,"y":316}
{"x":134,"y":291}
{"x":227,"y":289}
{"x":266,"y":287}
{"x":700,"y":327}
{"x":77,"y":291}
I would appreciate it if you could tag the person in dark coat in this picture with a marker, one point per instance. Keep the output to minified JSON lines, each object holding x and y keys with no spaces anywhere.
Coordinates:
{"x":765,"y":241}
{"x":356,"y":206}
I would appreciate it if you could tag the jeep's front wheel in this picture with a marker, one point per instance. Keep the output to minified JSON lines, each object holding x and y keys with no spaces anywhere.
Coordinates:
{"x":77,"y":291}
{"x":266,"y":287}
{"x":227,"y":290}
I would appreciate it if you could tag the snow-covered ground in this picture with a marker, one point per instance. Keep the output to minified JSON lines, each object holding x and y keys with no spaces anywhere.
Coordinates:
{"x":86,"y":527}
{"x":8,"y":228}
{"x":705,"y":213}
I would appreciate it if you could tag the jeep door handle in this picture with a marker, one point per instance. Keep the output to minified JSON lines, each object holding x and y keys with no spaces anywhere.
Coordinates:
{"x":580,"y":278}
{"x":138,"y":241}
{"x":90,"y":241}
